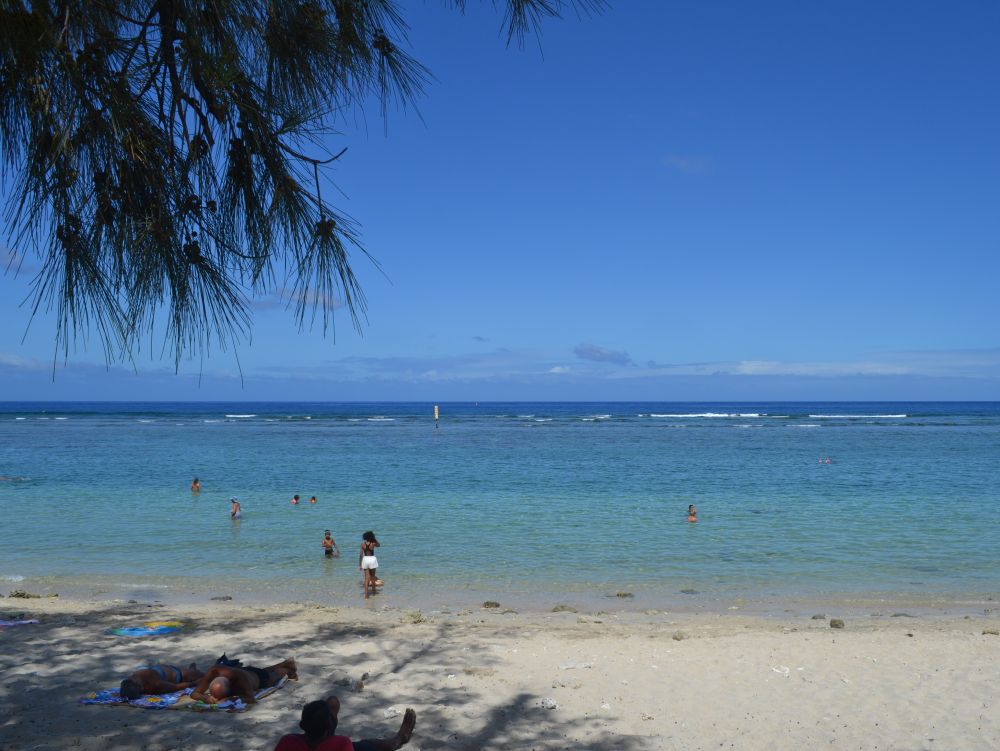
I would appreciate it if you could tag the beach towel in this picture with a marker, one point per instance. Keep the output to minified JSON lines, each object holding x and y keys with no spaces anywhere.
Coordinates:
{"x":176,"y":700}
{"x":152,"y":628}
{"x":11,"y":624}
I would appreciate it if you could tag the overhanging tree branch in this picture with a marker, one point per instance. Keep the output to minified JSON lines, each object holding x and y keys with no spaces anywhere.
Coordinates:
{"x":151,"y":154}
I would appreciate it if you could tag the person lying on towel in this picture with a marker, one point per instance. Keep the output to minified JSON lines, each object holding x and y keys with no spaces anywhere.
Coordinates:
{"x":159,"y":679}
{"x":224,"y":681}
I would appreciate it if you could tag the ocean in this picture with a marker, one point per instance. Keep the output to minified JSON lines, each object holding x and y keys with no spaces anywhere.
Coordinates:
{"x":524,"y":503}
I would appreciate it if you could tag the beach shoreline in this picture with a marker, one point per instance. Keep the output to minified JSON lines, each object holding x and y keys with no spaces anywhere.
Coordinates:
{"x":482,"y":678}
{"x":402,"y":594}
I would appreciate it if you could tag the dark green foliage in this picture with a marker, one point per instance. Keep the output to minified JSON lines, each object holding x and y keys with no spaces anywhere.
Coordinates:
{"x":162,"y":156}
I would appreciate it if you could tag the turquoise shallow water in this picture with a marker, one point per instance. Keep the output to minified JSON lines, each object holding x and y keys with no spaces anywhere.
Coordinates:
{"x":508,"y":500}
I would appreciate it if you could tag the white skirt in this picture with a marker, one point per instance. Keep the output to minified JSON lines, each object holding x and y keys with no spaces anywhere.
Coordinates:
{"x":369,"y":562}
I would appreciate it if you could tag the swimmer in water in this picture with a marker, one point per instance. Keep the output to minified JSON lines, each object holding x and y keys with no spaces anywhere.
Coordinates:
{"x":235,"y":511}
{"x":312,"y":500}
{"x":295,"y":500}
{"x":196,"y":486}
{"x":330,"y":549}
{"x":692,"y":513}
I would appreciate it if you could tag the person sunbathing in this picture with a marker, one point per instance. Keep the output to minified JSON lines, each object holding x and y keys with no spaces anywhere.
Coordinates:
{"x":224,"y":681}
{"x":159,"y":679}
{"x":319,"y":721}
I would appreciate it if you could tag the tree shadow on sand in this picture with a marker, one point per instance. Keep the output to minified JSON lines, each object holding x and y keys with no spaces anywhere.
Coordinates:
{"x":49,"y":666}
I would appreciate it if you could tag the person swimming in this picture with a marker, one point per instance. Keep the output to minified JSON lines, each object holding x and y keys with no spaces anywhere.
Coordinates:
{"x":235,"y":510}
{"x":196,"y":485}
{"x":295,"y":500}
{"x":692,"y":513}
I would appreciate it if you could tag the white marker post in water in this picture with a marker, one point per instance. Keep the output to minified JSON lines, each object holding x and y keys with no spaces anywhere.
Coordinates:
{"x":436,"y":417}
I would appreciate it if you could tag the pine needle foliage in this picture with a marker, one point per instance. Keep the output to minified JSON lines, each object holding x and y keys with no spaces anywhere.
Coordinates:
{"x":163,"y":157}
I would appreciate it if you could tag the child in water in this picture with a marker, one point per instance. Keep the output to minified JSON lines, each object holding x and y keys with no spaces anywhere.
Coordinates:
{"x":330,"y":548}
{"x":692,"y":513}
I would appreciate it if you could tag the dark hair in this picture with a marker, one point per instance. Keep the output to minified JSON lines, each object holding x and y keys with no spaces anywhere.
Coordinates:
{"x":130,"y":690}
{"x":369,"y":536}
{"x":317,"y":720}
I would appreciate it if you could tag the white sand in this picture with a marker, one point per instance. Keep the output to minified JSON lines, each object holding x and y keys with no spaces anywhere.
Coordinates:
{"x":479,"y":679}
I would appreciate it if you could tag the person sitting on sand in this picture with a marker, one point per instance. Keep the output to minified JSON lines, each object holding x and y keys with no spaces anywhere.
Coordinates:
{"x":159,"y":679}
{"x":330,"y":548}
{"x":235,"y":512}
{"x":319,"y":721}
{"x":692,"y":513}
{"x":223,"y":681}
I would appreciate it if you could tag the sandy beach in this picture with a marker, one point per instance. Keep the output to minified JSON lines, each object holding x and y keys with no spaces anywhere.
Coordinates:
{"x":497,"y":679}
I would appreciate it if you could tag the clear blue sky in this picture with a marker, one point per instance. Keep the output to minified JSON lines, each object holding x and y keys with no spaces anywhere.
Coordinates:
{"x":669,"y":201}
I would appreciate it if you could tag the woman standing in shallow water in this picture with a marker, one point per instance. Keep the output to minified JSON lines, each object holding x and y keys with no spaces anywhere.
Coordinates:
{"x":367,"y":562}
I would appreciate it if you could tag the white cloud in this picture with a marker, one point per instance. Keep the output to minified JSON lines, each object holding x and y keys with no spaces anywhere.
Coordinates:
{"x":286,"y":297}
{"x":984,"y":363}
{"x":601,"y":354}
{"x":14,"y":263}
{"x":16,"y":362}
{"x":689,"y":164}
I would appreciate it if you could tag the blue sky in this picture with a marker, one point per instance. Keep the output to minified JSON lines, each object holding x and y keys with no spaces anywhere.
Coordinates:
{"x":669,"y":201}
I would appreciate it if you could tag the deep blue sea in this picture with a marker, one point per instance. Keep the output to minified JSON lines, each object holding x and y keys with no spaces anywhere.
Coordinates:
{"x":508,"y":501}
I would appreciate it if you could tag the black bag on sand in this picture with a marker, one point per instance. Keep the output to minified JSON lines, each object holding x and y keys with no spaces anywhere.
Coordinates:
{"x":229,"y":663}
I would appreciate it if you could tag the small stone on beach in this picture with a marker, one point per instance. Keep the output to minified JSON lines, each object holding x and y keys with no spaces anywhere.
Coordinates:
{"x":679,"y":636}
{"x":479,"y":671}
{"x":819,"y":617}
{"x":991,"y":632}
{"x":624,"y":595}
{"x":357,"y":686}
{"x":548,"y":703}
{"x":222,"y":598}
{"x":836,"y":623}
{"x":564,"y":609}
{"x":689,"y":591}
{"x":491,"y":604}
